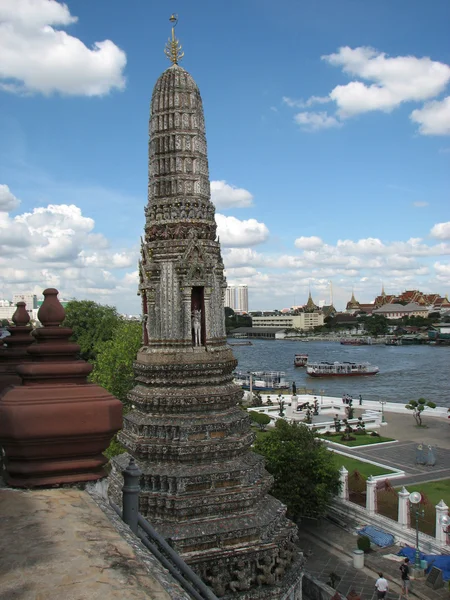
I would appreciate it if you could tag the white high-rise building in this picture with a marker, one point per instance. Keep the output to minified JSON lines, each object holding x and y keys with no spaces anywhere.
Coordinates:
{"x":29,"y":298}
{"x":242,"y":298}
{"x":230,"y":297}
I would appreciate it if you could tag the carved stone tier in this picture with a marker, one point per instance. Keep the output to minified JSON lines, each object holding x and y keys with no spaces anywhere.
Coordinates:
{"x":202,"y":486}
{"x":15,"y":351}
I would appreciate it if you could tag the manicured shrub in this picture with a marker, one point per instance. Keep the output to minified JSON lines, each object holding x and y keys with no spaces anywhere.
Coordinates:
{"x":363,"y":543}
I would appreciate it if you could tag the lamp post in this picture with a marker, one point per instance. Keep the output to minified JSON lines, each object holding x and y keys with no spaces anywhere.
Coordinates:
{"x":321,"y":396}
{"x":383,"y":420}
{"x":415,"y":499}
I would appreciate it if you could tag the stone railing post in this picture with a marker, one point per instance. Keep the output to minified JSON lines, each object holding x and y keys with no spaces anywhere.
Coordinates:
{"x":441,"y":531}
{"x":403,"y":508}
{"x":343,"y":477}
{"x":130,"y":499}
{"x":371,"y":490}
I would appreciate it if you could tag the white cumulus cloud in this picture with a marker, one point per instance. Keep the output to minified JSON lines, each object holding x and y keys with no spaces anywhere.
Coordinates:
{"x":441,"y":231}
{"x":37,"y":57}
{"x":225,"y":195}
{"x":313,"y":121}
{"x":8,"y":201}
{"x":393,"y":80}
{"x":433,"y":118}
{"x":235,"y":233}
{"x":309,"y":243}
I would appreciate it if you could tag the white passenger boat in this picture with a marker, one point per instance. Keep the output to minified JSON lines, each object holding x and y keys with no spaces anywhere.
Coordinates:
{"x":340,"y":369}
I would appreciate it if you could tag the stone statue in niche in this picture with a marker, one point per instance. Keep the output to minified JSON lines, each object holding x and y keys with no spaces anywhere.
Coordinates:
{"x":196,"y":318}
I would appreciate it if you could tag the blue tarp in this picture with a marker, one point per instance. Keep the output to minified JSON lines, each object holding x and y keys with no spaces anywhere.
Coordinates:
{"x":377,"y":536}
{"x":441,"y":561}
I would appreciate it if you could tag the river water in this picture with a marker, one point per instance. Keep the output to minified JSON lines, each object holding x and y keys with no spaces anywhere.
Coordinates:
{"x":406,"y":372}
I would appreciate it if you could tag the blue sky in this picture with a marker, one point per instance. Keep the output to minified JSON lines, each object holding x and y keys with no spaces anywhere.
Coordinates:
{"x":327,"y":123}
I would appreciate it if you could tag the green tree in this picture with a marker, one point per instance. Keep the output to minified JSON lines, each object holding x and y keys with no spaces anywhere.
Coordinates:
{"x":113,"y":368}
{"x":305,"y":477}
{"x":92,"y":325}
{"x":260,"y":419}
{"x":376,"y":325}
{"x":418,"y":406}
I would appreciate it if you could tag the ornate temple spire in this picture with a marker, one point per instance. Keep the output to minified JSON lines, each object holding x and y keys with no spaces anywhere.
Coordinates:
{"x":310,"y":306}
{"x":173,"y":49}
{"x":383,"y":293}
{"x":202,"y":486}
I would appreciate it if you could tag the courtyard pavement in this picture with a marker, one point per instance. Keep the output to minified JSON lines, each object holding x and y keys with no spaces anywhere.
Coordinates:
{"x":402,"y":453}
{"x":330,"y":551}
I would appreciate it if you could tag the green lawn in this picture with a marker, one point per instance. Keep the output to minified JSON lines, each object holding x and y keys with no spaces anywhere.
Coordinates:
{"x":352,"y":464}
{"x":435,"y":491}
{"x":361,"y":440}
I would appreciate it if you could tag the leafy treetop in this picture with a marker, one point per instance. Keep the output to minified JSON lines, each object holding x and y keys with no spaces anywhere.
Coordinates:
{"x":305,"y":476}
{"x":114,"y":365}
{"x":92,"y":324}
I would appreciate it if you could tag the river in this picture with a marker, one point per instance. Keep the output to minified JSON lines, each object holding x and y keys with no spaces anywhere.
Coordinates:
{"x":406,"y":372}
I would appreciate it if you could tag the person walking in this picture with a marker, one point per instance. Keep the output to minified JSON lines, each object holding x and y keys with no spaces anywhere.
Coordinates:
{"x":404,"y":570}
{"x":381,"y":586}
{"x":360,"y":400}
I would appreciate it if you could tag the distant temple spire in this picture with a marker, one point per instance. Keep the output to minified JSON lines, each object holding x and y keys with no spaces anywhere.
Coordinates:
{"x":173,"y":49}
{"x":383,"y":293}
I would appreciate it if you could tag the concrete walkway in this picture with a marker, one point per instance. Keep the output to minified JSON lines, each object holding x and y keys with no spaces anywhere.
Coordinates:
{"x":330,"y":551}
{"x":58,"y":544}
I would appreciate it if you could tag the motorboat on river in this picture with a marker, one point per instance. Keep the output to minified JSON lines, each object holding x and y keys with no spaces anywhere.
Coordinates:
{"x":300,"y":360}
{"x":340,"y":369}
{"x":262,"y":381}
{"x":361,"y":341}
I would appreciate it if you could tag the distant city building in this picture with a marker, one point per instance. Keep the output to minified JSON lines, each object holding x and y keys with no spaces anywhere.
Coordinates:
{"x":30,"y":300}
{"x":230,"y":297}
{"x":432,"y":302}
{"x":305,"y":321}
{"x":353,"y":306}
{"x":397,"y":311}
{"x":242,"y":298}
{"x":7,"y":309}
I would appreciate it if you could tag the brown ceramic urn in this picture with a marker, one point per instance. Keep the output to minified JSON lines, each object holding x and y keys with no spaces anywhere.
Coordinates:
{"x":55,"y":427}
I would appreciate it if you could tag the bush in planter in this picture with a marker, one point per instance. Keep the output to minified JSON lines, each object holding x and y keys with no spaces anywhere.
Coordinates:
{"x":363,"y":543}
{"x":374,"y":434}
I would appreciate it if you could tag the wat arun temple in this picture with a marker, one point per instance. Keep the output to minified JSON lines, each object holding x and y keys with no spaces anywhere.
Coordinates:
{"x":202,"y":486}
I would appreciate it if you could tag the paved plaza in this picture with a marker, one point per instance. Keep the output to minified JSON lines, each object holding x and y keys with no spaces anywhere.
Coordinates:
{"x":402,"y":455}
{"x":330,"y":551}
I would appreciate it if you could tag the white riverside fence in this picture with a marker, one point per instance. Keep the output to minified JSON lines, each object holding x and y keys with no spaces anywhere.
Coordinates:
{"x":369,"y":514}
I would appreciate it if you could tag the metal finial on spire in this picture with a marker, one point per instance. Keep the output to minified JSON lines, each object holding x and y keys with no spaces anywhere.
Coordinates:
{"x":173,"y":49}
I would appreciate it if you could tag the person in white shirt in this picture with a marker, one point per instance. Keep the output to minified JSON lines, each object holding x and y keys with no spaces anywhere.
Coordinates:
{"x":382,"y":586}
